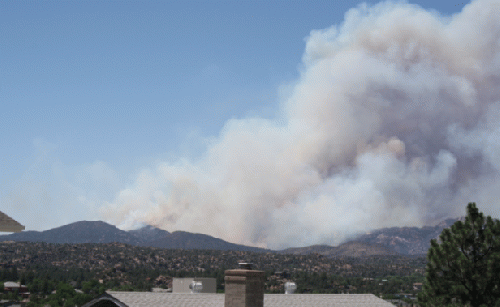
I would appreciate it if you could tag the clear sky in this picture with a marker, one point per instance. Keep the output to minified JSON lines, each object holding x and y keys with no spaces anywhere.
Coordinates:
{"x":94,"y":92}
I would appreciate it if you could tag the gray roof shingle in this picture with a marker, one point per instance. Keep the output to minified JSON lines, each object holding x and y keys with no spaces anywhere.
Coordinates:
{"x":151,"y":299}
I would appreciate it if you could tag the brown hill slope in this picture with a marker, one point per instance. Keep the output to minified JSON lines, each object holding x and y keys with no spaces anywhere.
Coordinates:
{"x":187,"y":240}
{"x":360,"y":249}
{"x":313,"y":249}
{"x":406,"y":240}
{"x":348,"y":249}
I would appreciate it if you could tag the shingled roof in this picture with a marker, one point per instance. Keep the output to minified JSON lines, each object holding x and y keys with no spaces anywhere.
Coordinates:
{"x":7,"y":224}
{"x":152,"y":299}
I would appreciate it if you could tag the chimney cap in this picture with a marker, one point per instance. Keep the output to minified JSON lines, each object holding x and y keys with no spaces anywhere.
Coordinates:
{"x":245,"y":265}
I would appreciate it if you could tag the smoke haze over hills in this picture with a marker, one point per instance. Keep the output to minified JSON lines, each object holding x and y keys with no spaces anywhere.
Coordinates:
{"x":394,"y":121}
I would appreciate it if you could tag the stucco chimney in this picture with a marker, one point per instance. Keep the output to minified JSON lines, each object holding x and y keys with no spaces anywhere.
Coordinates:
{"x":244,"y":287}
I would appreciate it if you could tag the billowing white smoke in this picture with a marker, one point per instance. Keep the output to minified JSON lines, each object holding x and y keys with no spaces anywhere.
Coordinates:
{"x":394,"y":121}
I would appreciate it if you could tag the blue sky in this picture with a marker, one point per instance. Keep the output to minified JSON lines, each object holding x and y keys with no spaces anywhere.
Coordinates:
{"x":125,"y":84}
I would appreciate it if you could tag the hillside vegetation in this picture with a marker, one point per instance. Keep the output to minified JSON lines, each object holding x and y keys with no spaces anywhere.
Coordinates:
{"x":119,"y":266}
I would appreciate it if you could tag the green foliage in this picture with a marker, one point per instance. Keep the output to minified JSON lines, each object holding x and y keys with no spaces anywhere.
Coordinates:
{"x":65,"y":291}
{"x":14,"y":295}
{"x":8,"y":274}
{"x":93,"y":287}
{"x":45,"y":287}
{"x":54,"y":302}
{"x":70,"y":302}
{"x":65,"y":295}
{"x":81,"y":298}
{"x":464,"y":267}
{"x":14,"y":274}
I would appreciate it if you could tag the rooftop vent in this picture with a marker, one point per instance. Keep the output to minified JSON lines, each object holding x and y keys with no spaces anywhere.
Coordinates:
{"x":196,"y":286}
{"x":290,"y":287}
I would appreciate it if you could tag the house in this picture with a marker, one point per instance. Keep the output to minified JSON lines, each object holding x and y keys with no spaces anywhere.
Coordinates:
{"x":10,"y":286}
{"x":244,"y":287}
{"x":7,"y":224}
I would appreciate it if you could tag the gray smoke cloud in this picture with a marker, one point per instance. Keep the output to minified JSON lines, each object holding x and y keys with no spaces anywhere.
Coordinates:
{"x":394,"y":121}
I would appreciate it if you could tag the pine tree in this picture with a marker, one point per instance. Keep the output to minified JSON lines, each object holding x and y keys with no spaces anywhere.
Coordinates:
{"x":13,"y":274}
{"x":464,"y":267}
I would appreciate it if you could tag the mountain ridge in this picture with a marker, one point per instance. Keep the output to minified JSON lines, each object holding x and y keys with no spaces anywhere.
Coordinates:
{"x":407,"y":241}
{"x":385,"y":241}
{"x":149,"y":236}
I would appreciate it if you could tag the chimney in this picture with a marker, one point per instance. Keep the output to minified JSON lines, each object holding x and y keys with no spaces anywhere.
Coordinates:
{"x":244,"y":287}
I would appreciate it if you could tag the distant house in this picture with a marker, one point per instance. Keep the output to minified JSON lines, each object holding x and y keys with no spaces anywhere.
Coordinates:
{"x":7,"y":224}
{"x":8,"y":303}
{"x":283,"y":274}
{"x":417,"y":286}
{"x":10,"y":286}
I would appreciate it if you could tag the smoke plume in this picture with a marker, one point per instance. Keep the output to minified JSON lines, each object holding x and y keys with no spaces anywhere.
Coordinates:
{"x":395,"y":120}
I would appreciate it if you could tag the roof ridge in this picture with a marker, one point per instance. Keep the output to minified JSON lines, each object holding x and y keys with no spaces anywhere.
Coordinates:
{"x":8,"y":224}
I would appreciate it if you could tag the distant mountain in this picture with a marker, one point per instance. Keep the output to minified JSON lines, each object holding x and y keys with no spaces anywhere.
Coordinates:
{"x":385,"y":241}
{"x":149,"y":233}
{"x":187,"y":240}
{"x":406,"y":240}
{"x":78,"y":232}
{"x":27,"y":236}
{"x":101,"y":232}
{"x":348,"y":249}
